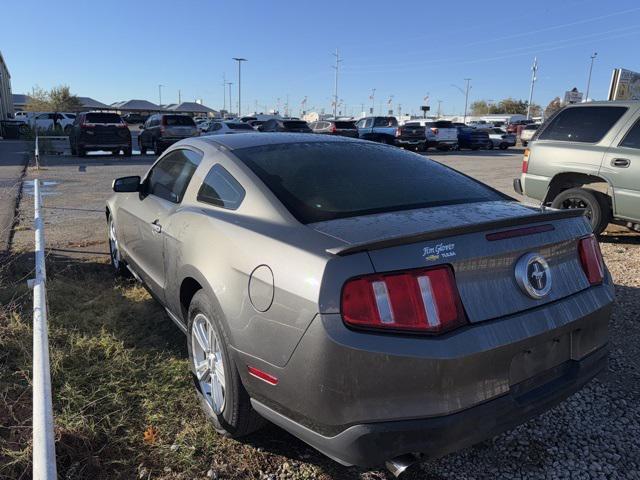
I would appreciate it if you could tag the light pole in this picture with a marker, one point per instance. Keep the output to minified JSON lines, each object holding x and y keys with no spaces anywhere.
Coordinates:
{"x":372,"y":97}
{"x":335,"y":90}
{"x":239,"y":60}
{"x":534,"y":70}
{"x":439,"y":109}
{"x":230,"y":102}
{"x":224,"y":92}
{"x":593,"y":57}
{"x":465,"y":92}
{"x":160,"y":94}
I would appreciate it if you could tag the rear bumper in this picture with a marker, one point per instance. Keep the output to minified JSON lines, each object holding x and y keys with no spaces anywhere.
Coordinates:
{"x":402,"y":142}
{"x":363,"y":397}
{"x":368,"y":445}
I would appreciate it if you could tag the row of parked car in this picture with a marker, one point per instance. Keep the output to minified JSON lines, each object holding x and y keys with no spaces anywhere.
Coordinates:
{"x":109,"y":131}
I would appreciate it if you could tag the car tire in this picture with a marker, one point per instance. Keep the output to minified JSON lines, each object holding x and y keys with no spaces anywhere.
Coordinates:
{"x":490,"y":146}
{"x":143,"y":149}
{"x":81,"y":151}
{"x":118,"y":265}
{"x":596,"y":204}
{"x":503,"y":146}
{"x":156,"y":147}
{"x":127,"y":152}
{"x":73,"y":149}
{"x":231,"y":414}
{"x":525,"y":143}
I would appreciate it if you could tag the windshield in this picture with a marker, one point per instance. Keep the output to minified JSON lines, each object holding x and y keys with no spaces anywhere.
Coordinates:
{"x":180,"y":120}
{"x":364,"y":179}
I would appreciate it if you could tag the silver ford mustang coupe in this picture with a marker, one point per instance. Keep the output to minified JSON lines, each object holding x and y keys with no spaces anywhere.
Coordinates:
{"x":374,"y":303}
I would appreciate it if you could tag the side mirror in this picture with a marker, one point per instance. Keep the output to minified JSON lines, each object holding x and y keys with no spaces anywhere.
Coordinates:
{"x":141,"y":127}
{"x":126,"y":184}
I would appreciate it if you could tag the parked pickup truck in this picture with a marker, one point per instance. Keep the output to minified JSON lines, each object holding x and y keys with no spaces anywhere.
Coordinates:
{"x":588,"y":156}
{"x":386,"y":130}
{"x":445,"y":132}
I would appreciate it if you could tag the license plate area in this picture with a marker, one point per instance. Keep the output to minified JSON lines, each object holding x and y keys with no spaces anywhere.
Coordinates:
{"x":540,"y":358}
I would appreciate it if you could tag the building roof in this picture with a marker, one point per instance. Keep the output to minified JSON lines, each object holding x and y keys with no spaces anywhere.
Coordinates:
{"x":190,"y":107}
{"x":137,"y":105}
{"x":88,"y":102}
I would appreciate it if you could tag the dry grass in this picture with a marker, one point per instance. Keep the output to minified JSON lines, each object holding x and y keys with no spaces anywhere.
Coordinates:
{"x":119,"y":368}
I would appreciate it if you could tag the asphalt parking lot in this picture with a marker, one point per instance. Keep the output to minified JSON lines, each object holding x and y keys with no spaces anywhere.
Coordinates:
{"x":593,"y":435}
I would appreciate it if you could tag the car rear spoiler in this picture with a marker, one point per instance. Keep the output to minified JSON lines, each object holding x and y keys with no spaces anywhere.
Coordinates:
{"x":545,"y":215}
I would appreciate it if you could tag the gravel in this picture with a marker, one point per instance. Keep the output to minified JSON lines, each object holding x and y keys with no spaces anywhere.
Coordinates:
{"x":595,"y":434}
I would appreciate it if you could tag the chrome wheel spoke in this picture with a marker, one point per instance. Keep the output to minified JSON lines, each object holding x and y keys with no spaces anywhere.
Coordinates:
{"x":219,"y":370}
{"x":201,"y":337}
{"x":202,"y":370}
{"x":217,"y":394}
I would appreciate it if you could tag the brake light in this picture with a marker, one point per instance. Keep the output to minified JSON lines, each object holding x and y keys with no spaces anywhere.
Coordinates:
{"x":591,"y":259}
{"x":333,"y":128}
{"x":435,"y":131}
{"x":525,"y":161}
{"x":424,"y":301}
{"x":399,"y":132}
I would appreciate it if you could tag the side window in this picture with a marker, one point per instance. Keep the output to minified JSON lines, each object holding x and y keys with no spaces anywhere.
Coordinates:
{"x":221,"y":189}
{"x":380,"y":122}
{"x":215,"y":126}
{"x":368,"y":123}
{"x":170,"y":177}
{"x":582,"y":124}
{"x":632,"y":138}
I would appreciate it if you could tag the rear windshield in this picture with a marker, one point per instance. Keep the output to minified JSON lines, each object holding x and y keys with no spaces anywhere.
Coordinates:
{"x":582,"y":124}
{"x":181,"y":120}
{"x":239,"y":126}
{"x":441,"y":124}
{"x":343,"y":125}
{"x":103,"y":118}
{"x":295,"y":124}
{"x":365,"y":179}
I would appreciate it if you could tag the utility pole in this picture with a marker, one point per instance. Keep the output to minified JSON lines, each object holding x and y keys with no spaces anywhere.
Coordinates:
{"x":593,"y":57}
{"x":230,"y":102}
{"x":372,"y":97}
{"x":466,"y":100}
{"x":224,"y":92}
{"x":439,"y":111}
{"x":160,"y":94}
{"x":239,"y":60}
{"x":179,"y":99}
{"x":335,"y":90}
{"x":534,"y":70}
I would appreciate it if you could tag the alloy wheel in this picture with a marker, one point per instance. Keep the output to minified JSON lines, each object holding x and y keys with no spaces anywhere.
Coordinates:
{"x":208,"y":362}
{"x":113,"y":245}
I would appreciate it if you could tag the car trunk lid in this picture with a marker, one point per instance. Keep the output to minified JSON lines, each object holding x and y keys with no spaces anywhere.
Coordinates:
{"x":472,"y":239}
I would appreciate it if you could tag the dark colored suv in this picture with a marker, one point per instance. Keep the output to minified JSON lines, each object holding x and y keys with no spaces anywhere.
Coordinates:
{"x":162,"y":130}
{"x":344,"y":128}
{"x":281,"y":125}
{"x":99,"y":131}
{"x":473,"y":138}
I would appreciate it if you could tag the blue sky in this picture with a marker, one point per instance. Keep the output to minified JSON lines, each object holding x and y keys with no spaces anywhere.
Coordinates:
{"x":118,"y":50}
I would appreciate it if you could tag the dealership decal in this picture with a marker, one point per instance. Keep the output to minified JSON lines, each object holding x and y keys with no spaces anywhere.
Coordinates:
{"x":441,"y":250}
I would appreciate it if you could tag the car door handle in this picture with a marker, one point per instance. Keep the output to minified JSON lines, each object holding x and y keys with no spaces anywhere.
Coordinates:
{"x":155,"y":226}
{"x":620,"y":162}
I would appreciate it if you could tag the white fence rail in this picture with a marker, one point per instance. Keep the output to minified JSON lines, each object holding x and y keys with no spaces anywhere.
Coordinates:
{"x":44,"y":453}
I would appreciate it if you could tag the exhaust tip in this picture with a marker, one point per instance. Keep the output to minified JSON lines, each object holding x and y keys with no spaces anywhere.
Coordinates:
{"x":401,"y":464}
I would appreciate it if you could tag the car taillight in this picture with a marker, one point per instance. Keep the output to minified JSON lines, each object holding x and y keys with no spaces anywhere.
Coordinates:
{"x":333,"y":129}
{"x":435,"y":131}
{"x":525,"y":161}
{"x":399,"y":132}
{"x":591,"y":259}
{"x":423,"y":301}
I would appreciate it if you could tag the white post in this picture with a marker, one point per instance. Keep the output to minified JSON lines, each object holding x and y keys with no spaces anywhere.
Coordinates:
{"x":44,"y":453}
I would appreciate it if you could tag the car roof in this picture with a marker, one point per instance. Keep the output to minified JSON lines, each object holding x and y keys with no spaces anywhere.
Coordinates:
{"x":233,"y":142}
{"x":601,"y":103}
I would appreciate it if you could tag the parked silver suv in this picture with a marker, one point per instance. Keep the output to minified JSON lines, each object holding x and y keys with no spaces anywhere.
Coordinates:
{"x":588,"y":156}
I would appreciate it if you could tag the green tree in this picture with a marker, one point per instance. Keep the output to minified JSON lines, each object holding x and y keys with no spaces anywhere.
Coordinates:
{"x":479,"y":107}
{"x":58,"y":99}
{"x":512,"y":106}
{"x":554,"y":105}
{"x":38,"y":100}
{"x":62,"y":100}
